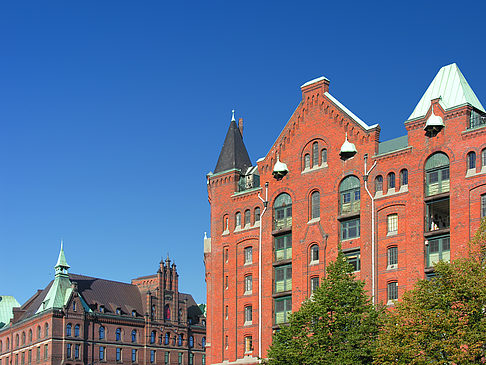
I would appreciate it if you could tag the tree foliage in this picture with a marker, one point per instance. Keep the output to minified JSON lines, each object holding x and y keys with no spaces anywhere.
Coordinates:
{"x":443,"y":320}
{"x":338,"y":325}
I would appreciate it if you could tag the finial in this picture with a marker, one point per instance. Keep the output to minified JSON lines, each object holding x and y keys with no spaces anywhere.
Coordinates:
{"x":205,"y":236}
{"x":233,"y":116}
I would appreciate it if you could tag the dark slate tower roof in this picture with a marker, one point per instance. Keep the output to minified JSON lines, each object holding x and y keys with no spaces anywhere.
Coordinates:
{"x":233,"y":154}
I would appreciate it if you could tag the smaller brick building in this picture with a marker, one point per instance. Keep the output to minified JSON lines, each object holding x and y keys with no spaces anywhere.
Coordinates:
{"x":79,"y":319}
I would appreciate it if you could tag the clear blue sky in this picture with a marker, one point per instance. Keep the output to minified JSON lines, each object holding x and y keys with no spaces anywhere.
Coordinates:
{"x":113,"y":112}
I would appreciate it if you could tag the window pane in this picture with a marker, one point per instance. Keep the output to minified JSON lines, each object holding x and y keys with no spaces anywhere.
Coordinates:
{"x":392,"y":256}
{"x":404,"y":177}
{"x":315,"y":154}
{"x":315,"y":202}
{"x":353,"y":258}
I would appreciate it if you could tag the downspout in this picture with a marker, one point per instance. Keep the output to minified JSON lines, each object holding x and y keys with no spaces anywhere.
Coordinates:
{"x":373,"y":265}
{"x":265,"y":204}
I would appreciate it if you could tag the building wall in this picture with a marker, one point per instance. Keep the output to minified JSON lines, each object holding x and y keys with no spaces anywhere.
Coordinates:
{"x":317,"y":118}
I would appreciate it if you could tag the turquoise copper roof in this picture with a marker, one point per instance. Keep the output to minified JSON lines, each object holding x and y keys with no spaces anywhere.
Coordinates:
{"x":451,"y":87}
{"x":7,"y":303}
{"x":392,"y":145}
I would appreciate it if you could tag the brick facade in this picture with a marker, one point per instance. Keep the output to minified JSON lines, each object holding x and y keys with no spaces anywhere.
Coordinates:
{"x":428,"y":211}
{"x":107,"y":322}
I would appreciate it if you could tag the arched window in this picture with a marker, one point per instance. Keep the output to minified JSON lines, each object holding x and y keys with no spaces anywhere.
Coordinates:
{"x":378,"y":183}
{"x":247,"y":217}
{"x":68,"y":329}
{"x":437,"y":174}
{"x":349,"y":191}
{"x":8,"y":343}
{"x":167,"y":312}
{"x":38,"y":332}
{"x":282,"y":211}
{"x":134,"y":336}
{"x":191,"y":341}
{"x":152,"y":311}
{"x":17,"y":341}
{"x":153,"y":336}
{"x":102,"y":332}
{"x":314,"y":254}
{"x":307,"y":161}
{"x":30,"y":336}
{"x":23,"y":338}
{"x":1,"y":346}
{"x":46,"y":330}
{"x":179,"y":340}
{"x":237,"y":220}
{"x":203,"y":342}
{"x":471,"y":160}
{"x":166,"y":338}
{"x":315,"y":205}
{"x":118,"y":334}
{"x":391,"y":180}
{"x":315,"y":154}
{"x":76,"y":330}
{"x":323,"y":156}
{"x":404,"y":177}
{"x":483,"y":158}
{"x":225,"y":223}
{"x":257,"y":214}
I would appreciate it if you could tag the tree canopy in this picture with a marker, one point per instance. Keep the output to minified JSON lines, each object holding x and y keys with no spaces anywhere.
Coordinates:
{"x":337,"y":325}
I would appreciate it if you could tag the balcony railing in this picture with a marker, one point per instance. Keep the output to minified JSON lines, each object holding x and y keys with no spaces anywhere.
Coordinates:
{"x":284,"y":223}
{"x":476,"y":120}
{"x":350,"y":208}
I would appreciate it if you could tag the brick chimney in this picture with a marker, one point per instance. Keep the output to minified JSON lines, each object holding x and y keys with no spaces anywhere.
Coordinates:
{"x":240,"y":126}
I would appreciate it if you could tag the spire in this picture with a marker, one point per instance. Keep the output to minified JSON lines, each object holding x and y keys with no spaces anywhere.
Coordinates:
{"x":233,"y":116}
{"x":233,"y":155}
{"x":61,"y":265}
{"x":451,"y":87}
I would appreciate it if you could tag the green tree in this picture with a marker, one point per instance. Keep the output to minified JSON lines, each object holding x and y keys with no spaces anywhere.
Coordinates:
{"x":337,"y":325}
{"x":443,"y":320}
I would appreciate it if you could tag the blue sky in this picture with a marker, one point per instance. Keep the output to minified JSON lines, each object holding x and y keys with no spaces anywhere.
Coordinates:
{"x":113,"y":112}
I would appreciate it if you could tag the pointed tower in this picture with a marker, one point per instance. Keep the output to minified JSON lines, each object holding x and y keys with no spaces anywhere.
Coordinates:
{"x":61,"y":287}
{"x":233,"y":155}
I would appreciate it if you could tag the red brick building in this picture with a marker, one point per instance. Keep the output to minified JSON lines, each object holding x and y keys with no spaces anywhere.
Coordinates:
{"x":395,"y":206}
{"x":79,"y":319}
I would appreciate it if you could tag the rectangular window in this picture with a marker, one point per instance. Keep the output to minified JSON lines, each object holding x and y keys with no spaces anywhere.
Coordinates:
{"x":134,"y":355}
{"x":437,"y":181}
{"x":203,"y":359}
{"x":248,"y":284}
{"x":392,"y":291}
{"x":16,"y":359}
{"x":283,"y":247}
{"x":483,"y":205}
{"x":314,"y":283}
{"x":179,"y":360}
{"x":76,"y":351}
{"x":392,"y":257}
{"x":354,"y":258}
{"x":152,"y":356}
{"x":22,"y":358}
{"x":392,"y":224}
{"x":226,"y":254}
{"x":191,"y":359}
{"x":438,"y":249}
{"x":350,"y":201}
{"x":29,"y":358}
{"x":102,"y":353}
{"x":248,"y":255}
{"x":350,"y":229}
{"x":46,"y":352}
{"x":248,"y":314}
{"x":226,"y":282}
{"x":118,"y":354}
{"x":226,"y":345}
{"x":38,"y":354}
{"x":283,"y":308}
{"x":68,"y":350}
{"x":167,"y":358}
{"x":283,"y":278}
{"x":437,"y":215}
{"x":226,"y":312}
{"x":248,"y":344}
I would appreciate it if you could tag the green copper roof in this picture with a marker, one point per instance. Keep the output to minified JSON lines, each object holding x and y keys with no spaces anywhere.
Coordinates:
{"x":7,"y":302}
{"x":450,"y":85}
{"x":393,"y":145}
{"x":61,"y":260}
{"x":61,"y":288}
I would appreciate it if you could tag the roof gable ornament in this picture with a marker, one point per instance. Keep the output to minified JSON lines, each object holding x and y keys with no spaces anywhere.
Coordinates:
{"x":280,"y":169}
{"x":434,"y":124}
{"x":61,"y":265}
{"x":348,"y":149}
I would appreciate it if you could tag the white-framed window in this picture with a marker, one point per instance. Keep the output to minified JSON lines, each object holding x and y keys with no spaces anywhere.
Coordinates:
{"x":248,"y":255}
{"x":248,"y":284}
{"x":314,"y":283}
{"x":378,"y":183}
{"x":257,"y":214}
{"x":248,"y":314}
{"x":392,"y":257}
{"x":248,"y":344}
{"x":247,"y":217}
{"x":315,"y":154}
{"x":392,"y":224}
{"x":392,"y":291}
{"x":354,"y":258}
{"x":226,"y":282}
{"x":391,"y":180}
{"x":483,"y":158}
{"x":314,"y":254}
{"x":483,"y":205}
{"x":315,"y":205}
{"x":307,"y":161}
{"x":404,"y":177}
{"x":323,"y":156}
{"x":471,"y":160}
{"x":237,"y":220}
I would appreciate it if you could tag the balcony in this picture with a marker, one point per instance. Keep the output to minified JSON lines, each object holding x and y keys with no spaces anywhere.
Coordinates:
{"x":282,"y":224}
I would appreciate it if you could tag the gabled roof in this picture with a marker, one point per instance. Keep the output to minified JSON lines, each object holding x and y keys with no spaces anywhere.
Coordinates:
{"x":349,"y":113}
{"x":450,"y":85}
{"x":233,"y":155}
